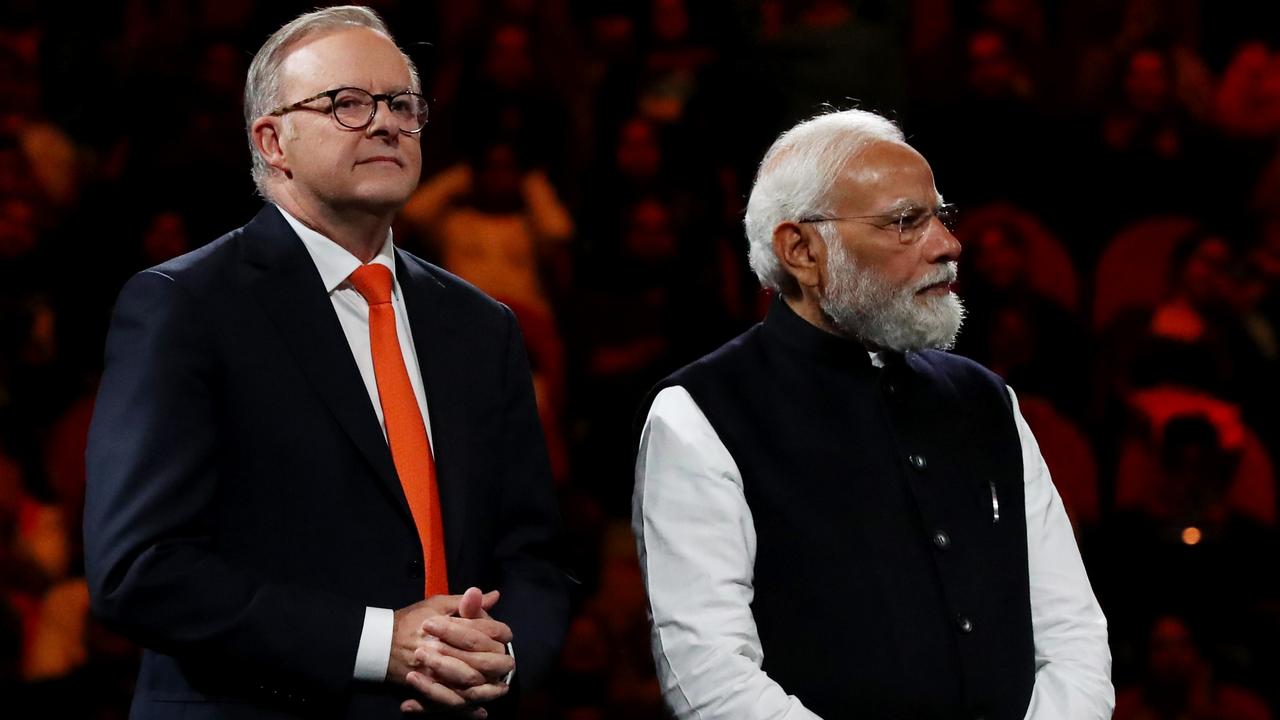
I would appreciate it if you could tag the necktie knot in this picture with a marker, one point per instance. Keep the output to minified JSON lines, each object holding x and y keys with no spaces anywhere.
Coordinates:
{"x":373,"y":281}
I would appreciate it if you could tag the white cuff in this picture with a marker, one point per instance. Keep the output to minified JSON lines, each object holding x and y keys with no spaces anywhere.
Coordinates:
{"x":512,"y":652}
{"x":374,"y":652}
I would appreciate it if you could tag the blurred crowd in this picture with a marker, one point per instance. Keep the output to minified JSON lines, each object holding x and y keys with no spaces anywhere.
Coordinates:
{"x":1117,"y":164}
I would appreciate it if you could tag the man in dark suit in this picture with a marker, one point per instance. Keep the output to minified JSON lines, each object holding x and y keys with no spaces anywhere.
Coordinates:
{"x":301,"y":429}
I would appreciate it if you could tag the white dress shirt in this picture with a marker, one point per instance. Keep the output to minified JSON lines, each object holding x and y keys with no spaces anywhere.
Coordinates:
{"x":335,"y":265}
{"x":697,"y":544}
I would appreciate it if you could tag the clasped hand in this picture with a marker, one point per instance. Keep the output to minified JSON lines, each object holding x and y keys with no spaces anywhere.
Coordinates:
{"x":452,"y":652}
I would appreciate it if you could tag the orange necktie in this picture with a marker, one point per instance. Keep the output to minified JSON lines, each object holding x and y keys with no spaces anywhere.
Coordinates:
{"x":406,"y":433}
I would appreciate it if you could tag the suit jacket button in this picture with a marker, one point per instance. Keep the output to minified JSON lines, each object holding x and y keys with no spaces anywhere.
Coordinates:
{"x":918,"y":462}
{"x":415,"y":568}
{"x":964,"y":624}
{"x":941,"y":539}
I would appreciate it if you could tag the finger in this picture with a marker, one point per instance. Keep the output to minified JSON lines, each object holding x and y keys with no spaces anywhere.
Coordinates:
{"x":461,"y":636}
{"x":493,"y":666}
{"x":485,"y":693}
{"x":490,"y":599}
{"x":444,"y":604}
{"x":487,"y":626}
{"x":434,"y":692}
{"x":413,"y":706}
{"x":470,"y":605}
{"x":450,"y":671}
{"x":494,"y":629}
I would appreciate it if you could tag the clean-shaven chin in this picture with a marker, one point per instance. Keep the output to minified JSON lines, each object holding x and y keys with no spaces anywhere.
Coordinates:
{"x":380,"y":161}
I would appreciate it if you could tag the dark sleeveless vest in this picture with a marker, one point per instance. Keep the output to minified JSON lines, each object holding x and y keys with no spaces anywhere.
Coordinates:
{"x":887,"y":584}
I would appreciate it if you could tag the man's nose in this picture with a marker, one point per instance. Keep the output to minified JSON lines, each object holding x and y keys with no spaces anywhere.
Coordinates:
{"x":940,"y":244}
{"x":384,"y":121}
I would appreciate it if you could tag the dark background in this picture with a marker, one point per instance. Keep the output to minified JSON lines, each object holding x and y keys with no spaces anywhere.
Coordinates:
{"x":1117,"y":165}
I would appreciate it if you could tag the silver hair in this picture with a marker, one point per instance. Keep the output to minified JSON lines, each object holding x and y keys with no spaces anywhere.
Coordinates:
{"x":262,"y":85}
{"x":796,"y":176}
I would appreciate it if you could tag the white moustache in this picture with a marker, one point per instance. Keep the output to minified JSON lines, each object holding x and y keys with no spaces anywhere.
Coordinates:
{"x":942,"y":274}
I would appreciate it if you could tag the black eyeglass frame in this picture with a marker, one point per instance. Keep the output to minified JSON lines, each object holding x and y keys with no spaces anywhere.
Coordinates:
{"x":947,"y":214}
{"x":332,"y":95}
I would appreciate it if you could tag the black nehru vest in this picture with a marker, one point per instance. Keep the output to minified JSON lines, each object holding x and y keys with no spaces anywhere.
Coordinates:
{"x":885,"y":585}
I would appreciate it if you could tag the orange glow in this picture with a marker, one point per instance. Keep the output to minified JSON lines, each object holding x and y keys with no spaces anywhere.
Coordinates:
{"x":1191,"y":535}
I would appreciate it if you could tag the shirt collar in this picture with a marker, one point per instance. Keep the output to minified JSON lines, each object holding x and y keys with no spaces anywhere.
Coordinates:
{"x":331,"y":259}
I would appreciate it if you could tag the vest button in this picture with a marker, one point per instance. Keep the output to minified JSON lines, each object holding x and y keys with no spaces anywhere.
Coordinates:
{"x":890,"y":388}
{"x":918,"y":462}
{"x":941,"y":539}
{"x":964,"y":624}
{"x":414,"y":568}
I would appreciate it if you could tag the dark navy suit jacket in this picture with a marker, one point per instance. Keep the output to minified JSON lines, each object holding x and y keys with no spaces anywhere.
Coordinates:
{"x":243,"y":508}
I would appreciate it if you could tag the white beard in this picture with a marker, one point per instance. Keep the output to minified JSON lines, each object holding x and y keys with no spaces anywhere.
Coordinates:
{"x":863,"y":306}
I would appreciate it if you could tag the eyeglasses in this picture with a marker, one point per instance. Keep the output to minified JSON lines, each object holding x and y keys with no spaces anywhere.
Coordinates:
{"x":910,"y":223}
{"x":354,"y":108}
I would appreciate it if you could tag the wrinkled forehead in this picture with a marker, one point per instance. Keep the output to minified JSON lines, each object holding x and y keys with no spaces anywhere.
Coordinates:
{"x":884,"y":177}
{"x":345,"y":57}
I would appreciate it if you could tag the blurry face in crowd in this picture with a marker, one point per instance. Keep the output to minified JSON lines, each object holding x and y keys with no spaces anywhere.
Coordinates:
{"x":889,"y":294}
{"x":1008,"y":13}
{"x":670,"y":20}
{"x":1147,"y":83}
{"x":612,"y":35}
{"x":650,"y":237}
{"x":1173,"y":657}
{"x":10,"y":489}
{"x":991,"y":71}
{"x":18,"y":233}
{"x":369,"y":170}
{"x":222,"y":70}
{"x":19,"y":85}
{"x":638,"y":154}
{"x":498,"y":178}
{"x":1001,"y":260}
{"x":509,"y":64}
{"x":1206,"y":277}
{"x":165,"y":238}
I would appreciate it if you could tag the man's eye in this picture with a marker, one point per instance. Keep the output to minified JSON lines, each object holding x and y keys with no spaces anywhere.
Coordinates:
{"x":347,"y":102}
{"x":912,"y":220}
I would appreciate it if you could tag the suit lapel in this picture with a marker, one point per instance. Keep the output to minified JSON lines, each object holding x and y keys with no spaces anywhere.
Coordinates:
{"x":437,"y":345}
{"x":287,"y":284}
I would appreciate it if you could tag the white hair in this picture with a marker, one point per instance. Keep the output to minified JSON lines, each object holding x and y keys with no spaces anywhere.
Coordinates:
{"x":262,"y":85}
{"x":862,"y":305}
{"x":796,"y":176}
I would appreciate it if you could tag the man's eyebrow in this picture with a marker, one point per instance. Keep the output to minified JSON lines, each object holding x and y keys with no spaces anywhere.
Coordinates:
{"x":394,"y":90}
{"x":903,"y":205}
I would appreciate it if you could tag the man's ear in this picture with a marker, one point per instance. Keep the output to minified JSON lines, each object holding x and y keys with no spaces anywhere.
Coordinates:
{"x":801,"y":251}
{"x":267,"y":133}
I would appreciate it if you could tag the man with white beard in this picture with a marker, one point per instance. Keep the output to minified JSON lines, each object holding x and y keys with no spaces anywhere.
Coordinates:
{"x":834,"y":517}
